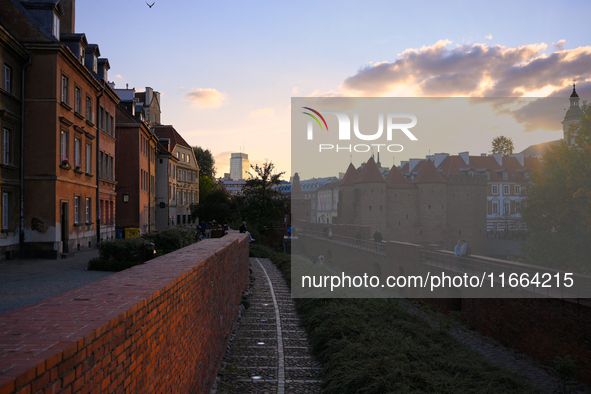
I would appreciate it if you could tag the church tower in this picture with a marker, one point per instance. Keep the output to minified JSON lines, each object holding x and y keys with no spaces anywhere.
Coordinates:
{"x":572,"y":118}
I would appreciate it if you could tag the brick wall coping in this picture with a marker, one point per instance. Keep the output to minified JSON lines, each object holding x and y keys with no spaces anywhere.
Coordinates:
{"x":35,"y":338}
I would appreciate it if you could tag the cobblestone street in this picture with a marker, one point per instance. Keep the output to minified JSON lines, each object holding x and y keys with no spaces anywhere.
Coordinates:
{"x":268,"y":351}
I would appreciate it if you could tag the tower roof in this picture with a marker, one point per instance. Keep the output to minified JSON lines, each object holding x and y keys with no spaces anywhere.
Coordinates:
{"x":350,"y":177}
{"x":396,"y":179}
{"x":370,"y":173}
{"x":574,"y":93}
{"x":428,"y":174}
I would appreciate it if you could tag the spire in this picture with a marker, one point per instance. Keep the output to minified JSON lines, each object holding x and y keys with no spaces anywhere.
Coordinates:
{"x":574,"y":93}
{"x":378,"y":163}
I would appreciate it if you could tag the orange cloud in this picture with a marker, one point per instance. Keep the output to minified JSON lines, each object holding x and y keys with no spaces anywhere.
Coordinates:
{"x":206,"y":98}
{"x":472,"y":70}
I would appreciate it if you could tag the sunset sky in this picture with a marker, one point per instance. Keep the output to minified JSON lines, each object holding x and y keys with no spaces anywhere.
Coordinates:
{"x":227,"y":69}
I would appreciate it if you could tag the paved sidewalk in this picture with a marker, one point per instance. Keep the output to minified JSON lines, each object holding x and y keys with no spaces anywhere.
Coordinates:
{"x":269,"y":351}
{"x":27,"y":281}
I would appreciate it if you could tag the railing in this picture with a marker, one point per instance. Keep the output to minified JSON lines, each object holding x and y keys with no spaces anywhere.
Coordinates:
{"x":358,"y":243}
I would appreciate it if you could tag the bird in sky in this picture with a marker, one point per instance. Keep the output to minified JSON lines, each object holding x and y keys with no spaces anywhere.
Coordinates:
{"x":150,"y":5}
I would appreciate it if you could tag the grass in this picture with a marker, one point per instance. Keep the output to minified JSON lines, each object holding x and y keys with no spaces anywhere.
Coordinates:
{"x":375,"y":346}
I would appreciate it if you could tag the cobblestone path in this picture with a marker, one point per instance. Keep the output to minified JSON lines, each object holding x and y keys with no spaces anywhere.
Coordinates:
{"x":268,"y":351}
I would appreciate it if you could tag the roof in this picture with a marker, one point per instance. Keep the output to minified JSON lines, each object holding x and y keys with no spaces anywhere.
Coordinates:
{"x":370,"y":173}
{"x":481,"y":164}
{"x":350,"y":177}
{"x":428,"y":173}
{"x":538,"y":150}
{"x":169,"y":132}
{"x":141,"y":96}
{"x":330,"y":185}
{"x":396,"y":179}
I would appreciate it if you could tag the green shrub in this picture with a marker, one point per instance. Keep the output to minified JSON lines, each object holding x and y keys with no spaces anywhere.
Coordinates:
{"x":375,"y":346}
{"x":119,"y":254}
{"x":261,"y":251}
{"x":171,"y":238}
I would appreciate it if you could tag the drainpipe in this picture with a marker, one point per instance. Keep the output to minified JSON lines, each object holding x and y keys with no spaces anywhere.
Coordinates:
{"x":98,"y":138}
{"x":21,"y":237}
{"x":150,"y":184}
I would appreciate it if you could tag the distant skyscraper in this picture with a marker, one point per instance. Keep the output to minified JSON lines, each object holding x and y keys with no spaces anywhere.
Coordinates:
{"x":239,"y":166}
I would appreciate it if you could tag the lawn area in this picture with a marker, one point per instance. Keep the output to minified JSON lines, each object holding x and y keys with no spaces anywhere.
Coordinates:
{"x":376,"y":346}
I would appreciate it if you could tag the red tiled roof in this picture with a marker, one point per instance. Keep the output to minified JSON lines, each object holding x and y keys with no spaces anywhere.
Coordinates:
{"x":396,"y":179}
{"x":370,"y":173}
{"x":428,"y":173}
{"x":172,"y":134}
{"x":455,"y":165}
{"x":350,"y":177}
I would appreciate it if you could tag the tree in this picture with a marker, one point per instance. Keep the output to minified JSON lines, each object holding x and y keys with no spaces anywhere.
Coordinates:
{"x":205,"y":161}
{"x":217,"y":205}
{"x":263,"y":206}
{"x":558,"y":208}
{"x":206,"y":186}
{"x":502,"y":144}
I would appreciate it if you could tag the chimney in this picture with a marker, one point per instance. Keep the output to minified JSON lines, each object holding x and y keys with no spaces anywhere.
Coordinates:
{"x":67,"y":23}
{"x":148,"y":96}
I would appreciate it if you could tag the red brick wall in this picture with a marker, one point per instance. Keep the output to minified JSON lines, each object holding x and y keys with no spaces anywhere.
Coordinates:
{"x":161,"y":327}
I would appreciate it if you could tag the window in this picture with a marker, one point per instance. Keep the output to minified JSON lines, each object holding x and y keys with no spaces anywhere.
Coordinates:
{"x":495,"y":189}
{"x":89,"y":158}
{"x":6,"y":140}
{"x":7,"y":78}
{"x":76,"y":209}
{"x":89,"y":113}
{"x":63,"y":145}
{"x":179,"y":174}
{"x":506,"y":190}
{"x":517,"y":206}
{"x":101,"y":118}
{"x":56,"y":26}
{"x":517,"y":190}
{"x":65,"y":89}
{"x":88,"y":210}
{"x":495,"y":208}
{"x":506,"y":208}
{"x":81,"y":54}
{"x":94,"y":63}
{"x":101,"y":168}
{"x":78,"y":100}
{"x":5,"y":210}
{"x":77,"y":152}
{"x":505,"y":175}
{"x":111,"y":168}
{"x":526,"y":175}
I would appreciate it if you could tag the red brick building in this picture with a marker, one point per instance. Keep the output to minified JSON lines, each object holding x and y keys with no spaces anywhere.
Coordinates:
{"x":135,"y":171}
{"x":13,"y":58}
{"x":65,"y":88}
